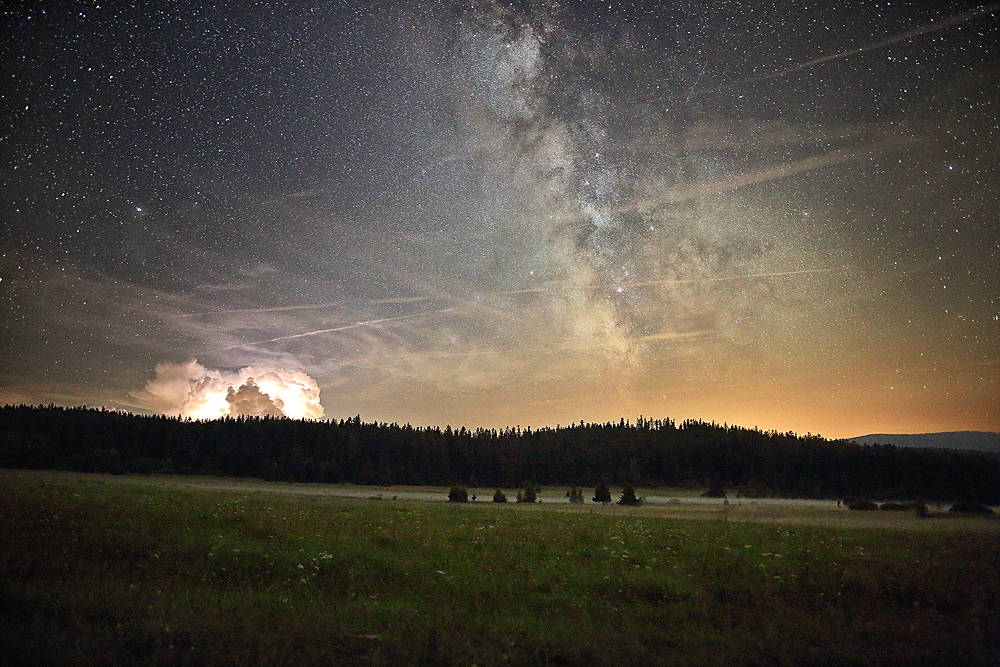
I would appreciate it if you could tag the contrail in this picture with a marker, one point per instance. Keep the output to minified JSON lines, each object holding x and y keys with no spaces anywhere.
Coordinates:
{"x":888,"y":41}
{"x":665,"y":281}
{"x":767,"y":174}
{"x":674,"y":336}
{"x":276,"y":309}
{"x":532,"y":290}
{"x":730,"y":278}
{"x":305,"y":306}
{"x":345,"y":327}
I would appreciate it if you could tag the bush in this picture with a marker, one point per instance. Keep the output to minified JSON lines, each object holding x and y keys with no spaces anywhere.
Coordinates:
{"x":602,"y":494}
{"x":754,"y":491}
{"x":575,"y":495}
{"x":970,"y":508}
{"x":144,"y":466}
{"x":499,"y":497}
{"x":529,"y":495}
{"x":458,"y":494}
{"x":861,"y":504}
{"x":894,"y":507}
{"x":628,"y":496}
{"x":715,"y":489}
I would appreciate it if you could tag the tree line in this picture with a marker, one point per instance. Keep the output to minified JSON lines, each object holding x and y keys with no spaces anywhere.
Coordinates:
{"x":644,"y":453}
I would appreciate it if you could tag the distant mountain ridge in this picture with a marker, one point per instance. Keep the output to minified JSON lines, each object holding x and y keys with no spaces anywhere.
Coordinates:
{"x":980,"y":441}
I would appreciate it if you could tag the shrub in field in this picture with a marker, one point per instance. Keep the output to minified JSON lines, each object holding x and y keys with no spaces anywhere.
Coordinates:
{"x":860,"y":504}
{"x":715,"y":490}
{"x":894,"y":507}
{"x":458,"y":494}
{"x":754,"y":491}
{"x":144,"y":466}
{"x":499,"y":497}
{"x":602,"y":494}
{"x":529,"y":495}
{"x":628,"y":496}
{"x":575,"y":495}
{"x":970,"y":508}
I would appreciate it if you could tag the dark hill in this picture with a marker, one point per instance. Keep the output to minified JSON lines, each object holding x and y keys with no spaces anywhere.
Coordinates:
{"x":648,"y":453}
{"x":979,"y":441}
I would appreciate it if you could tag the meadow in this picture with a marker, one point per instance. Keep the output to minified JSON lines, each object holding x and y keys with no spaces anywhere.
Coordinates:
{"x":94,"y":571}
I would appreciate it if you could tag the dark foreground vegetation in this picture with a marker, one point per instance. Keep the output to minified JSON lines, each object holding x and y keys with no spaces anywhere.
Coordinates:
{"x":648,"y":453}
{"x":95,"y":573}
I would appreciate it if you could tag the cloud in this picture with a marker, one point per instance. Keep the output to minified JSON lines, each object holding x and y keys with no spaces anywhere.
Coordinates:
{"x":191,"y":390}
{"x":250,"y":401}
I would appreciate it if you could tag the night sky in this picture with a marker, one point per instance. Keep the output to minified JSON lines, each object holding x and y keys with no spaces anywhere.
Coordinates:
{"x":777,"y":216}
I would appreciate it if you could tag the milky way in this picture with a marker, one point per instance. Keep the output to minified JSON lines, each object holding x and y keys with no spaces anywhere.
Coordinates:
{"x":496,"y":214}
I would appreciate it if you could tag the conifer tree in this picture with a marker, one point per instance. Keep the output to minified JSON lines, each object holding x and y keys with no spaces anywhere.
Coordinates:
{"x":628,"y":496}
{"x":602,"y":494}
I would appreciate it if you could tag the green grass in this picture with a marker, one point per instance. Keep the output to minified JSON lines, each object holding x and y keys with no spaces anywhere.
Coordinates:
{"x":108,"y":574}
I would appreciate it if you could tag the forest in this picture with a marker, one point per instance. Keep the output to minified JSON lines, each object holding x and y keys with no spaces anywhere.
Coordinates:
{"x":648,"y":453}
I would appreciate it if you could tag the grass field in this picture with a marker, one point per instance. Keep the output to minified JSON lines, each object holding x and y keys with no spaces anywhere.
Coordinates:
{"x":97,"y":572}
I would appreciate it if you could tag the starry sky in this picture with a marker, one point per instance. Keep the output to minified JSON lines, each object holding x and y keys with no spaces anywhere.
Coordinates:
{"x":778,"y":215}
